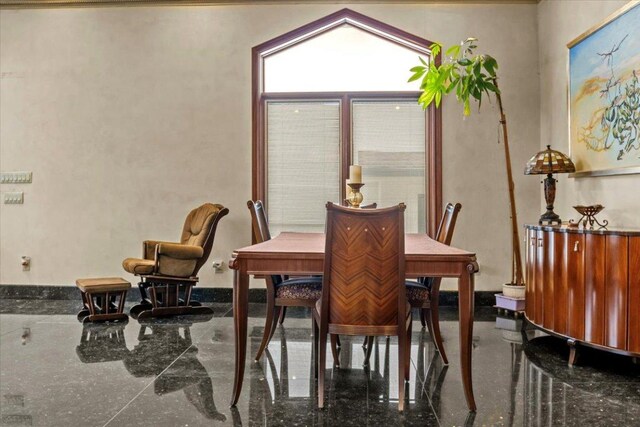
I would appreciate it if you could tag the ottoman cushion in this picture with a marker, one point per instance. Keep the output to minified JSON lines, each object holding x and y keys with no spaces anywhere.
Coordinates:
{"x":103,"y":284}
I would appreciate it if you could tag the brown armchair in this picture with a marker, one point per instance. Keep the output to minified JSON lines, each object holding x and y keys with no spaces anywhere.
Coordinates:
{"x":168,"y":271}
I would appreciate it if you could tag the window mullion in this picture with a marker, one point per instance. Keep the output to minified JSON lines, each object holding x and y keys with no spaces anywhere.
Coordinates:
{"x":346,"y":142}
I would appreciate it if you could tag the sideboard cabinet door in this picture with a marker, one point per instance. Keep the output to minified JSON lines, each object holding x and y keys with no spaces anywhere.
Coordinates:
{"x":574,"y":252}
{"x":594,"y":280}
{"x":560,"y":292}
{"x":548,"y":254}
{"x":617,"y":283}
{"x":530,"y":291}
{"x":539,"y":278}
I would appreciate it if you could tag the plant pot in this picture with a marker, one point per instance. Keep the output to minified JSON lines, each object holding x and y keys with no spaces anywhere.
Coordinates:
{"x":513,"y":291}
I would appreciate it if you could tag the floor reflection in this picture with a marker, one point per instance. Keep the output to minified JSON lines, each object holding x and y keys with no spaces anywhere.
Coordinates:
{"x":56,"y":371}
{"x":283,"y":385}
{"x":164,"y":351}
{"x":604,"y":389}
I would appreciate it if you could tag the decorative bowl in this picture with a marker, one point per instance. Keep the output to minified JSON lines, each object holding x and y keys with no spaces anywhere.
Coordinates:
{"x":588,"y":210}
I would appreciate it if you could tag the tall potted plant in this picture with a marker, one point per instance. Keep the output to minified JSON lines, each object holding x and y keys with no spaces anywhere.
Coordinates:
{"x":470,"y":76}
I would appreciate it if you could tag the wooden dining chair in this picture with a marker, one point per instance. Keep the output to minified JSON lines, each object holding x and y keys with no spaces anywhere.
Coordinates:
{"x":283,"y":312}
{"x":424,"y":293}
{"x":281,"y":291}
{"x":363,"y":291}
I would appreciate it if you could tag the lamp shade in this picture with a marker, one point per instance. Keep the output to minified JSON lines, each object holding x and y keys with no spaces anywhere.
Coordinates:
{"x":549,"y":161}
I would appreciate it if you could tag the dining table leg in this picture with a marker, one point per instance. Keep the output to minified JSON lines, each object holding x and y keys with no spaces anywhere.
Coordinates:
{"x":466,"y":309}
{"x":240,"y":315}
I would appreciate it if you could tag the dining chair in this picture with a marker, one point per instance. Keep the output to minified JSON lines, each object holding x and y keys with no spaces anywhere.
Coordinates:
{"x":284,"y":308}
{"x":363,"y":290}
{"x":424,"y":293}
{"x":282,"y":291}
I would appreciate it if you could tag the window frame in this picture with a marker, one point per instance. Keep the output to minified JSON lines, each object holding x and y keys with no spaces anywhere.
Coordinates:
{"x":433,"y":116}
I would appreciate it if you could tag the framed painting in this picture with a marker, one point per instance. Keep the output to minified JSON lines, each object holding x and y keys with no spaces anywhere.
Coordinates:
{"x":604,"y":96}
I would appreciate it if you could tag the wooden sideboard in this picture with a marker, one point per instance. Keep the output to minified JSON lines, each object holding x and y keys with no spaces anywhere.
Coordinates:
{"x":584,"y":285}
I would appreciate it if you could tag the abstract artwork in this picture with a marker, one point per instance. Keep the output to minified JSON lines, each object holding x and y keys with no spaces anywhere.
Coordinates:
{"x":604,"y":96}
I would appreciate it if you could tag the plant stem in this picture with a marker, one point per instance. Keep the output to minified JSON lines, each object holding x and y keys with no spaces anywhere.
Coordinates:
{"x":516,"y":260}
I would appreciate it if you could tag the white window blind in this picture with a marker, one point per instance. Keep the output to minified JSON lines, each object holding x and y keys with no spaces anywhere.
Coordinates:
{"x":389,"y":144}
{"x":303,"y":164}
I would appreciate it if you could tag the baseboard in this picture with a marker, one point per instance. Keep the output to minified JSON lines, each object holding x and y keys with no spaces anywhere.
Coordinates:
{"x":58,"y":292}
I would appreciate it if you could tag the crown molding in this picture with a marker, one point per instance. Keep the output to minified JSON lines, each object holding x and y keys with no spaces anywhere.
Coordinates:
{"x":49,"y":4}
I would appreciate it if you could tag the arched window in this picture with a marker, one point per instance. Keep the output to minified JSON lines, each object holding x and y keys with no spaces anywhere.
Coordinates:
{"x":333,"y":93}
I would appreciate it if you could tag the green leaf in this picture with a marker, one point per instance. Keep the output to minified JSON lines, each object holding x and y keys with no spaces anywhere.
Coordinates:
{"x":422,"y":60}
{"x":464,"y":62}
{"x":414,"y":77}
{"x":467,"y":107}
{"x":453,"y":51}
{"x":490,"y":86}
{"x":426,"y":98}
{"x":438,"y":98}
{"x":435,"y":49}
{"x":452,"y":84}
{"x":490,"y":64}
{"x":475,"y":92}
{"x":476,"y":68}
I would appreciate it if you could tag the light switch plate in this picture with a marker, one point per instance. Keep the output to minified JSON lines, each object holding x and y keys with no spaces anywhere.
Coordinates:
{"x":15,"y":177}
{"x":14,"y":198}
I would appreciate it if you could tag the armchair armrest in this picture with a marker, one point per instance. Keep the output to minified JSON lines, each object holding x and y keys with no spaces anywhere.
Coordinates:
{"x":149,"y":248}
{"x":179,"y":251}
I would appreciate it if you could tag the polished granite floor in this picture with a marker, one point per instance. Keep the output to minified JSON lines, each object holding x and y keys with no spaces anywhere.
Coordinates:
{"x":58,"y":372}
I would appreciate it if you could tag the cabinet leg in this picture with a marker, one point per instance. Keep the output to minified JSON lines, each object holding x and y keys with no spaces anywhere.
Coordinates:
{"x":573,"y":352}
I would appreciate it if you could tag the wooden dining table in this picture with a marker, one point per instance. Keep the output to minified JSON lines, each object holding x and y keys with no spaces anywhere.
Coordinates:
{"x":299,"y":254}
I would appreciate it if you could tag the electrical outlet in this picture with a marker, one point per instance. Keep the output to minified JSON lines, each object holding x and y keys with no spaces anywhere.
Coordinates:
{"x":218,"y":265}
{"x":16,"y":177}
{"x":14,"y":198}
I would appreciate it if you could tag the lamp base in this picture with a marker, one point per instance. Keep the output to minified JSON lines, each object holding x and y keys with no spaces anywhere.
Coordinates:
{"x":550,"y":217}
{"x":549,"y":196}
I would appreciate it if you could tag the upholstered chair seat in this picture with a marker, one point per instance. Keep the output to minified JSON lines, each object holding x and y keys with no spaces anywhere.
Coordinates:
{"x":138,"y":266}
{"x":309,"y":288}
{"x":417,"y":293}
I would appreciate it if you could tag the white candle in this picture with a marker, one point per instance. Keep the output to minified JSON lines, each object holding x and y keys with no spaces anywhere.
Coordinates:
{"x":355,"y":174}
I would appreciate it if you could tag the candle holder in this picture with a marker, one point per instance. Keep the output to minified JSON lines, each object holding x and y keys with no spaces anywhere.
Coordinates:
{"x":355,"y":197}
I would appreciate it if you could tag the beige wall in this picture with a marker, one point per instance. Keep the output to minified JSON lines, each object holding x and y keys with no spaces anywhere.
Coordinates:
{"x":559,"y":23}
{"x":128,"y":117}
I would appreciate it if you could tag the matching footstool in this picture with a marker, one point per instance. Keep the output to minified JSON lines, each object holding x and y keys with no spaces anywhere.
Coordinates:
{"x":103,"y":299}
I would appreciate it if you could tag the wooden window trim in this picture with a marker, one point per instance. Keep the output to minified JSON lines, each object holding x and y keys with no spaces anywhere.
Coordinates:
{"x":433,"y":136}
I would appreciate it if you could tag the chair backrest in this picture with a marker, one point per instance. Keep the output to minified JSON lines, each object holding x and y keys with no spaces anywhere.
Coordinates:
{"x":200,"y":229}
{"x":259,"y":222}
{"x":363,"y":284}
{"x":448,"y":223}
{"x":444,"y":235}
{"x":261,"y":232}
